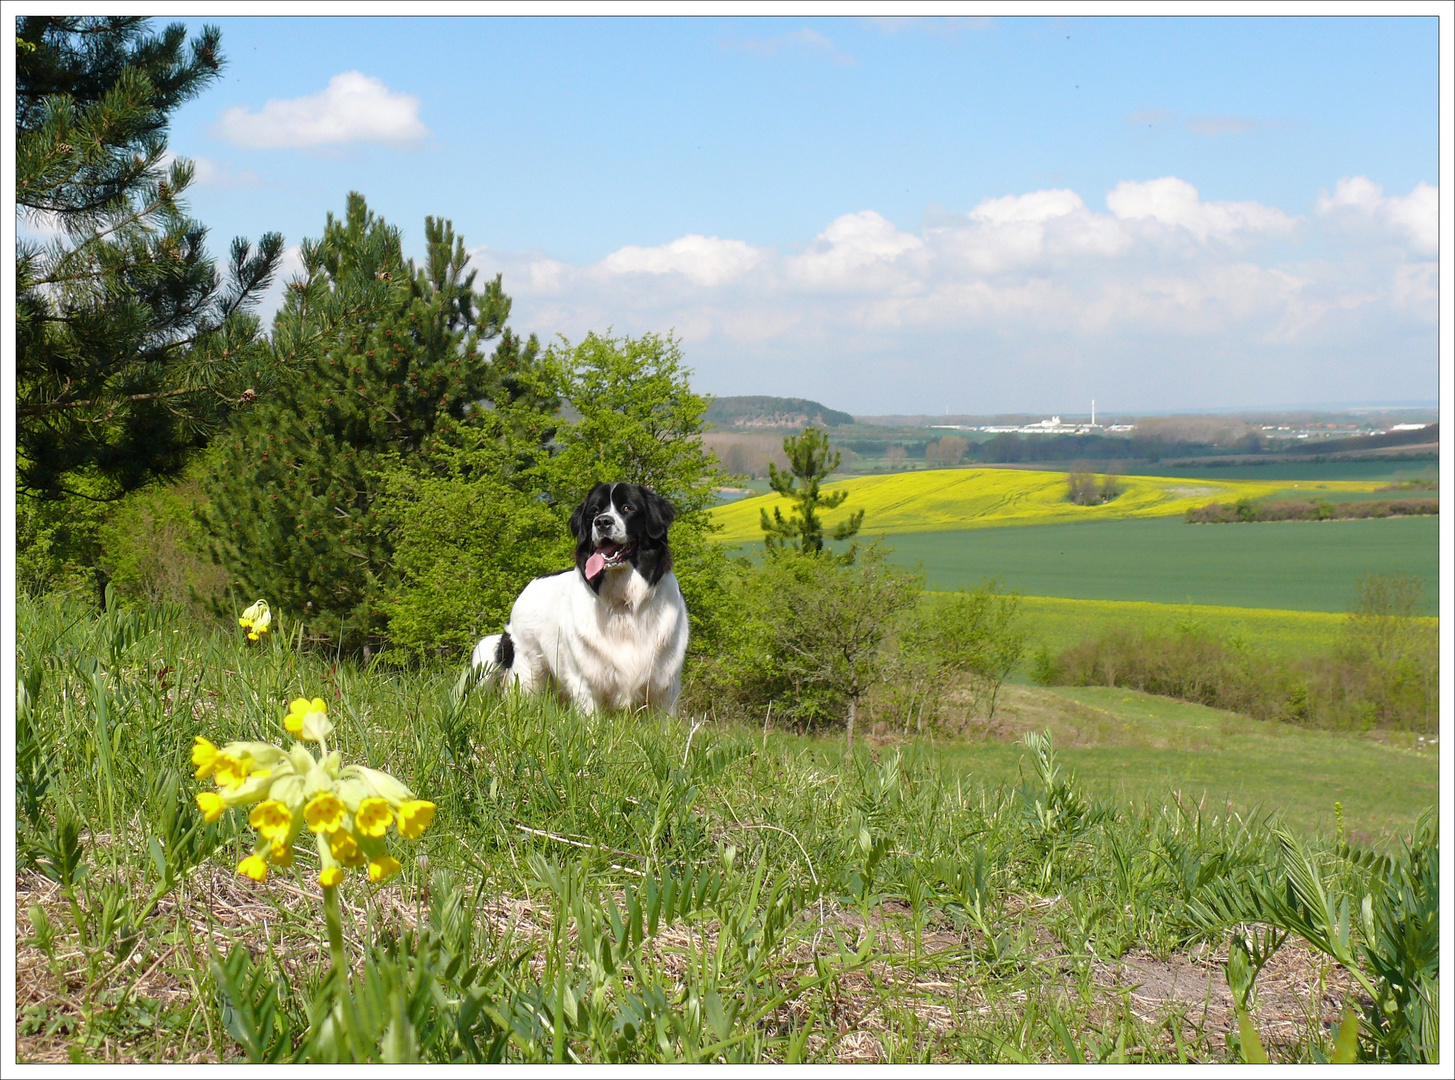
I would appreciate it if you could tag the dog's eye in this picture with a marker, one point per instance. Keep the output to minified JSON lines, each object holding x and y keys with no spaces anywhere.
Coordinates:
{"x":626,"y":508}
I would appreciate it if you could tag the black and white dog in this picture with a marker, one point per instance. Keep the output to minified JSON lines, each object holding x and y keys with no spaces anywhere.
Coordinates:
{"x":611,"y":633}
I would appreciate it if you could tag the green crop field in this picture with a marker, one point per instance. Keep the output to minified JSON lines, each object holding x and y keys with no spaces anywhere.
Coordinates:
{"x":1058,"y":623}
{"x":1387,"y":470}
{"x":1298,"y":565}
{"x":941,"y":499}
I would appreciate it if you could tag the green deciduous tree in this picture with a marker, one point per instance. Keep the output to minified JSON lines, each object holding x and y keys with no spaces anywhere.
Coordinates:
{"x":809,"y":462}
{"x":132,"y":348}
{"x":519,"y":470}
{"x":295,"y":478}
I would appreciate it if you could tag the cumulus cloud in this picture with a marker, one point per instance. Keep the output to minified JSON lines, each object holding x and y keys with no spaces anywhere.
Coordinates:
{"x":1175,"y":202}
{"x":705,"y":260}
{"x":1028,"y":301}
{"x":1414,"y":218}
{"x":354,"y":107}
{"x":850,"y":246}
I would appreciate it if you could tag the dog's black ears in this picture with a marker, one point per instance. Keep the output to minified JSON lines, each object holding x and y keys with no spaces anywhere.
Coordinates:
{"x":657,"y":514}
{"x":581,"y":517}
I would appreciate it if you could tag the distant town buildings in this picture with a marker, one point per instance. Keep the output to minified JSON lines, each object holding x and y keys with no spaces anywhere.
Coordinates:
{"x":1053,"y":426}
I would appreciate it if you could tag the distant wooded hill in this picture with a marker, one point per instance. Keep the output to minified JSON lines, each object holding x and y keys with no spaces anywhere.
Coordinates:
{"x":762,"y":412}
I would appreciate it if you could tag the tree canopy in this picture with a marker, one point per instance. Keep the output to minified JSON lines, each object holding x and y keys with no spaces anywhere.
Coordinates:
{"x":132,"y":348}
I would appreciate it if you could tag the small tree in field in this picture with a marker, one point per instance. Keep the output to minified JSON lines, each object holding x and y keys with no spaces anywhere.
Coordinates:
{"x":809,"y":462}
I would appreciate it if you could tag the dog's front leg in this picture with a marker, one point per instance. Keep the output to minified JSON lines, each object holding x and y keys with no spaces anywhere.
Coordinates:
{"x":581,"y":698}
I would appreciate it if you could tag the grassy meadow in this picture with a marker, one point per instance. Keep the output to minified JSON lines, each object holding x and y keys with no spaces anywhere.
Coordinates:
{"x":935,"y":500}
{"x":628,"y":888}
{"x":635,"y":888}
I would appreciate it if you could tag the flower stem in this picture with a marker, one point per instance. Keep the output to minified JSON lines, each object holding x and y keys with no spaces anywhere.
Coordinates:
{"x":335,"y":923}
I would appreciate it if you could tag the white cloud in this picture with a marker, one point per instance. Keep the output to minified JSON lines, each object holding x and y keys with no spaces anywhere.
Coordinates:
{"x":354,"y":107}
{"x":1175,"y":202}
{"x":706,"y":260}
{"x":1414,"y":217}
{"x":851,"y":245}
{"x":1166,"y":301}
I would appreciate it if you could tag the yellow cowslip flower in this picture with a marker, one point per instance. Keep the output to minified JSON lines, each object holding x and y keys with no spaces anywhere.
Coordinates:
{"x":348,"y":809}
{"x":254,"y":867}
{"x":383,"y":869}
{"x":211,"y":805}
{"x":308,"y":719}
{"x":414,"y":817}
{"x":324,"y":813}
{"x":229,"y":770}
{"x":373,"y":818}
{"x":256,"y":618}
{"x":272,"y":819}
{"x":343,"y":847}
{"x":204,"y":756}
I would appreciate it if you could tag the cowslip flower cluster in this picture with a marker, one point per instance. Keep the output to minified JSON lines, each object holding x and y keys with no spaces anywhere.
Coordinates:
{"x":348,"y":808}
{"x":256,"y":620}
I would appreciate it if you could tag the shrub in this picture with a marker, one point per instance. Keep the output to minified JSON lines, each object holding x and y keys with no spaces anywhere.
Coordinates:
{"x":1247,"y":510}
{"x":974,"y":638}
{"x":154,"y":551}
{"x":1383,"y":675}
{"x":811,"y":640}
{"x":1083,"y":489}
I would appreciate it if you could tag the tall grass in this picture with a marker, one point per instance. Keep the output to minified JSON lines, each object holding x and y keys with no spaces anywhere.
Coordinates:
{"x":609,"y":888}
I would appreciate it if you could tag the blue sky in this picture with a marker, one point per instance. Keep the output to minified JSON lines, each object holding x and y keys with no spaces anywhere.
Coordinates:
{"x":902,"y":216}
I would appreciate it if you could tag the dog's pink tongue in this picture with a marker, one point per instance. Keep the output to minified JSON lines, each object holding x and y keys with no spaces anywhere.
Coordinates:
{"x":595,"y":564}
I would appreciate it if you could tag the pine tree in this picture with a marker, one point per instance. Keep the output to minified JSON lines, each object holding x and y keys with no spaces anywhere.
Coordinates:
{"x":808,"y":464}
{"x":294,"y":480}
{"x":131,"y":348}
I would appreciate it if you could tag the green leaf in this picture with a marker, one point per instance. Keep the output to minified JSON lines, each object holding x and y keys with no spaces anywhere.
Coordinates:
{"x":1253,"y":1052}
{"x":159,"y":857}
{"x":1346,"y":1042}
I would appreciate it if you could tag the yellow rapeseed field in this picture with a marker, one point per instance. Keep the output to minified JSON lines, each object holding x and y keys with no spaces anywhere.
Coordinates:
{"x":936,"y":500}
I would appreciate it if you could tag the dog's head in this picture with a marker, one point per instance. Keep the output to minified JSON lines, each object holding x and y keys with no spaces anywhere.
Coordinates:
{"x":619,"y":526}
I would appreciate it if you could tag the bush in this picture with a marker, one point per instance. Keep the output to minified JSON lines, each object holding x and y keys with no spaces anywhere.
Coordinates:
{"x":154,"y":551}
{"x":1083,"y":489}
{"x":1384,"y":674}
{"x":1246,"y":510}
{"x":972,"y":638}
{"x":811,"y":635}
